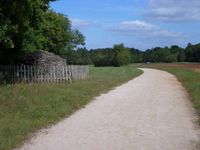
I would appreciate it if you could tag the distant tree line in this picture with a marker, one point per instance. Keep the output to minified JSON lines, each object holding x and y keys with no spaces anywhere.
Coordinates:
{"x":173,"y":54}
{"x":30,"y":25}
{"x":121,"y":55}
{"x":116,"y":56}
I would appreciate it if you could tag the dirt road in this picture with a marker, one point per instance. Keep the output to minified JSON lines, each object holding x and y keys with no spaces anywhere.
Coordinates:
{"x":151,"y":112}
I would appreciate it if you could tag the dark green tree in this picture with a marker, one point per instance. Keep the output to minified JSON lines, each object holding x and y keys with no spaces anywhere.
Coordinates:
{"x":27,"y":26}
{"x":121,"y":55}
{"x":193,"y":53}
{"x":136,"y":55}
{"x":17,"y":20}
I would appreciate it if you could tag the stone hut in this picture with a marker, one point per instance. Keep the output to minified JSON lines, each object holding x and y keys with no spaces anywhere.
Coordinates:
{"x":43,"y":58}
{"x":46,"y":64}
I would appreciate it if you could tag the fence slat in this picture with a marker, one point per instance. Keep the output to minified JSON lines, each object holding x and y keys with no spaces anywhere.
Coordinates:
{"x":41,"y":74}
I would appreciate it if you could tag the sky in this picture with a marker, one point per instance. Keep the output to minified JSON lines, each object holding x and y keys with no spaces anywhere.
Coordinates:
{"x":140,"y":24}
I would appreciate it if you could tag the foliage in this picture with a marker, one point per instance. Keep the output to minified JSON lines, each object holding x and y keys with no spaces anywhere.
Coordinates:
{"x":16,"y":24}
{"x":102,"y":57}
{"x":25,"y":108}
{"x":79,"y":57}
{"x":193,"y":53}
{"x":27,"y":26}
{"x":136,"y":56}
{"x":121,"y":55}
{"x":173,"y":54}
{"x":58,"y":34}
{"x":116,"y":56}
{"x":159,"y":54}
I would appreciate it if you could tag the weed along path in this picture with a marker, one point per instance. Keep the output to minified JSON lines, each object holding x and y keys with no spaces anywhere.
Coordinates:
{"x":150,"y":112}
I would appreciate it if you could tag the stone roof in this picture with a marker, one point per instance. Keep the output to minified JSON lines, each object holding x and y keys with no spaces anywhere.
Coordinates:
{"x":43,"y":58}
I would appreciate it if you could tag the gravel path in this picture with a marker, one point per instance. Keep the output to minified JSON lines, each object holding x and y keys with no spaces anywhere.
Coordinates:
{"x":151,"y":112}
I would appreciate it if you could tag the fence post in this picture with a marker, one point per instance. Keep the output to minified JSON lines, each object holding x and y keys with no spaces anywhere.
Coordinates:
{"x":19,"y":74}
{"x":50,"y":69}
{"x":63,"y":73}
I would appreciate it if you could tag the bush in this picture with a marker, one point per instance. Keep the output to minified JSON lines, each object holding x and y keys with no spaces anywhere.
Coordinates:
{"x":117,"y":57}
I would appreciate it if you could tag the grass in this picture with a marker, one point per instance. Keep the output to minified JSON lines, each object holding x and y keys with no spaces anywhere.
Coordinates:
{"x":189,"y":77}
{"x":25,"y":108}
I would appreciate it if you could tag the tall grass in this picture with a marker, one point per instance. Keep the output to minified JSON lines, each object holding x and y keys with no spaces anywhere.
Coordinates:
{"x":24,"y":108}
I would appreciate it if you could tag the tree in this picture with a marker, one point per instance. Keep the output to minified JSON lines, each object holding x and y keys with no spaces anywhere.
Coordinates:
{"x":136,"y":55}
{"x":116,"y":56}
{"x":82,"y":57}
{"x":77,"y":38}
{"x":159,"y":54}
{"x":27,"y":26}
{"x":17,"y":20}
{"x":181,"y":56}
{"x":193,"y":53}
{"x":121,"y":55}
{"x":56,"y":32}
{"x":102,"y":57}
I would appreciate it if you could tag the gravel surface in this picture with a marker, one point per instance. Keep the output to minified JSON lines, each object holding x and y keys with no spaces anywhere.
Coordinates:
{"x":150,"y":112}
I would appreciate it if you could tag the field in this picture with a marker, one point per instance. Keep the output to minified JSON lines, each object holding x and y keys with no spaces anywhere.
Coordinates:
{"x":25,"y":108}
{"x":193,"y":66}
{"x":187,"y":73}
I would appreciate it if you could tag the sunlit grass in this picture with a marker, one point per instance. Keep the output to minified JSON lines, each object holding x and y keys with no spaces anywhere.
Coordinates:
{"x":24,"y":108}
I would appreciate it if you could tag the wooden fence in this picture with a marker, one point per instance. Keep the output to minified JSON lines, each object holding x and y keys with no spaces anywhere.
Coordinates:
{"x":42,"y":74}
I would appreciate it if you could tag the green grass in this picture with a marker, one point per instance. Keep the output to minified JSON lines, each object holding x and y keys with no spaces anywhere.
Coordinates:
{"x":25,"y":108}
{"x":189,"y":78}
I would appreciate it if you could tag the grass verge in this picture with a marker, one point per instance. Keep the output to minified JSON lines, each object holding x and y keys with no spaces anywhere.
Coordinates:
{"x":25,"y":108}
{"x":189,"y":77}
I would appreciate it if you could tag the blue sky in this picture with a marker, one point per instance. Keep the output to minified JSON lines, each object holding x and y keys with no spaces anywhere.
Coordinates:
{"x":140,"y":24}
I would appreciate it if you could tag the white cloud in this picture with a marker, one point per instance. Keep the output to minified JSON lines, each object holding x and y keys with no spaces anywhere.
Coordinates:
{"x":147,"y":34}
{"x":82,"y":24}
{"x":135,"y":25}
{"x":167,"y":34}
{"x":78,"y":23}
{"x":142,"y":29}
{"x":174,"y":10}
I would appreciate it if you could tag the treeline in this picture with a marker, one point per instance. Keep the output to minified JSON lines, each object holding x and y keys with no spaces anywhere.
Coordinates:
{"x":116,"y":56}
{"x":27,"y":26}
{"x":121,"y":55}
{"x":173,"y":54}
